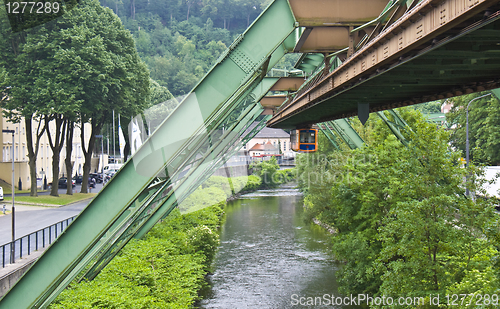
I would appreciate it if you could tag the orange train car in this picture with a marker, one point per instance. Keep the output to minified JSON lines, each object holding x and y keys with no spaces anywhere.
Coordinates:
{"x":304,"y":140}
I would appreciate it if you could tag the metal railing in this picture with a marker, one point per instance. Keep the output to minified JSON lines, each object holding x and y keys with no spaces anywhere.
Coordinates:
{"x":32,"y":242}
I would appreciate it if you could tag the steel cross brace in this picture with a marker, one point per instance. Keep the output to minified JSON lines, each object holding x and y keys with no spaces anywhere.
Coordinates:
{"x":396,"y":126}
{"x":227,"y":154}
{"x":244,"y":140}
{"x":329,"y":134}
{"x":207,"y":170}
{"x":258,"y":93}
{"x":347,"y":133}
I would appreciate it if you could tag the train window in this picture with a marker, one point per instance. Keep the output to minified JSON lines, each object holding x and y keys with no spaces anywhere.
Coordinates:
{"x":304,"y":138}
{"x":312,"y":138}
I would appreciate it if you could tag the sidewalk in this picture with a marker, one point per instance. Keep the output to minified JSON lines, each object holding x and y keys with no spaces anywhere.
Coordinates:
{"x":12,"y":272}
{"x":30,"y":218}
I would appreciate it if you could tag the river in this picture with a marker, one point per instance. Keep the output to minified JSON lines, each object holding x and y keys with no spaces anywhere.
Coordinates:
{"x":269,"y":257}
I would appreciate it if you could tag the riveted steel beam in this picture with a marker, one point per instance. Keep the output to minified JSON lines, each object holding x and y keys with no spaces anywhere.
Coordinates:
{"x":426,"y":28}
{"x":329,"y":134}
{"x":257,"y":93}
{"x":396,"y":126}
{"x":347,"y":133}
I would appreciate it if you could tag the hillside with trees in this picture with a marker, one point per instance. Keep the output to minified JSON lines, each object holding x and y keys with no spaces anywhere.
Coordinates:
{"x":181,"y":40}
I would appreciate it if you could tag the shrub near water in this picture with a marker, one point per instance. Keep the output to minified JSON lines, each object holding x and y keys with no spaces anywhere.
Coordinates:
{"x":164,"y":270}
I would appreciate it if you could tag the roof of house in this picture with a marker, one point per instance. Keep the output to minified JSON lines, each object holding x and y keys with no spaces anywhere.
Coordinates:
{"x":272,"y":133}
{"x":257,"y":147}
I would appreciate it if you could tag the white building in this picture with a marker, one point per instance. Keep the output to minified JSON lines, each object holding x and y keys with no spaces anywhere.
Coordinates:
{"x":275,"y":137}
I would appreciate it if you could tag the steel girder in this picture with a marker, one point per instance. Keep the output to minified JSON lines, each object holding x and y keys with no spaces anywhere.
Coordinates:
{"x":143,"y":183}
{"x":395,"y":126}
{"x":466,"y":27}
{"x":258,"y":93}
{"x":347,"y":133}
{"x":329,"y":134}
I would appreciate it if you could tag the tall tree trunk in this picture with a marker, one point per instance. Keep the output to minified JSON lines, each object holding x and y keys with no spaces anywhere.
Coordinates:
{"x":69,"y":149}
{"x":33,"y":149}
{"x":132,"y":9}
{"x":126,"y":149}
{"x":189,"y":3}
{"x":96,"y":125}
{"x":56,"y":146}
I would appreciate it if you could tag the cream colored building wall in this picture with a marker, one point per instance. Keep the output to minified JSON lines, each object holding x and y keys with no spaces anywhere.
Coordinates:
{"x":44,"y":158}
{"x":21,"y":169}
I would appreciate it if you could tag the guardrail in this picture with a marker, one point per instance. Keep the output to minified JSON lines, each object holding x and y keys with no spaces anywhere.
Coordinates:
{"x":32,"y":242}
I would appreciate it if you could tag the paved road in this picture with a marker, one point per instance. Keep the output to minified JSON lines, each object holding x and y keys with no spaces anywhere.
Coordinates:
{"x":32,"y":218}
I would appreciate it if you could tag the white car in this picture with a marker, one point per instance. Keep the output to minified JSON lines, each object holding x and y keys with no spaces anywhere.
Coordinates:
{"x":1,"y":194}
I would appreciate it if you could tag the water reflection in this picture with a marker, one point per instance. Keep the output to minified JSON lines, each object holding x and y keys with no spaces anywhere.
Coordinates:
{"x":268,"y":254}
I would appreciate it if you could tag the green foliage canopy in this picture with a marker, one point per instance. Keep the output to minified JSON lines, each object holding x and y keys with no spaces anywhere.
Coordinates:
{"x":404,"y":226}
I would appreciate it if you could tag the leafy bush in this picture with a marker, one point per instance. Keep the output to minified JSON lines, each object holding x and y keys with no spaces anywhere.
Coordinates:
{"x":202,"y":198}
{"x":164,"y":270}
{"x":204,"y":239}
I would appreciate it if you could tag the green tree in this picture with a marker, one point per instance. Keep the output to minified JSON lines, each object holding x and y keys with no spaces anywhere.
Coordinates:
{"x":484,"y":127}
{"x":433,"y":236}
{"x":267,"y":171}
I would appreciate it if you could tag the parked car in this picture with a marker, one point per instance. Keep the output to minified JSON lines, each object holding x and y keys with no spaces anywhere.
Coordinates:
{"x":1,"y":194}
{"x":78,"y":179}
{"x":63,"y":183}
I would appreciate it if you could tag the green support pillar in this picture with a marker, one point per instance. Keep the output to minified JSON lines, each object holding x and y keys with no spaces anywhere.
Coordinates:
{"x":329,"y":134}
{"x":347,"y":133}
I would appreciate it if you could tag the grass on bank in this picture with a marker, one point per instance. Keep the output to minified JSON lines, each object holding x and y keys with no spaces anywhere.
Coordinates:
{"x":62,"y":199}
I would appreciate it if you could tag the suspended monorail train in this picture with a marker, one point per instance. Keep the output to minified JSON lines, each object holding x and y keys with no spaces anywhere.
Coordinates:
{"x":304,"y":140}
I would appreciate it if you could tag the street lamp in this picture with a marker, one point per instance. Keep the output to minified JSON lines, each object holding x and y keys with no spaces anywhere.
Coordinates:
{"x":467,"y":137}
{"x":13,"y":245}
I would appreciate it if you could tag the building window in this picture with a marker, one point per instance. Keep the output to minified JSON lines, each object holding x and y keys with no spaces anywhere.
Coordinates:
{"x":24,"y":154}
{"x":17,"y":153}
